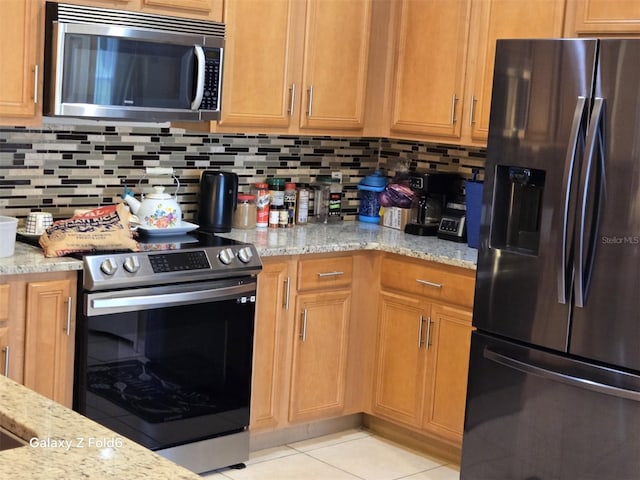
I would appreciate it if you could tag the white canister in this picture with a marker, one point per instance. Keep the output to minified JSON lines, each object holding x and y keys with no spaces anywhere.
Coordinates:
{"x":8,"y":227}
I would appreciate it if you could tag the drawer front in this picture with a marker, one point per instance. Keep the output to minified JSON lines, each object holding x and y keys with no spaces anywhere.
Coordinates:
{"x":321,"y":273}
{"x":444,"y":283}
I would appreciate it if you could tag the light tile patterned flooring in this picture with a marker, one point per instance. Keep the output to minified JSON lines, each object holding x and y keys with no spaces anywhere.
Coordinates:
{"x":348,"y":455}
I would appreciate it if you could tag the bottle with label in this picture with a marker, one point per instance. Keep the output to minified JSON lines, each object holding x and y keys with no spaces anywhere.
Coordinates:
{"x":261,"y":192}
{"x":290,"y":203}
{"x":335,"y":201}
{"x":276,"y":191}
{"x":302,"y":205}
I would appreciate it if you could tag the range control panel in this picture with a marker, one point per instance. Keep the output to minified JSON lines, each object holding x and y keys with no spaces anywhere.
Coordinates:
{"x":134,"y":269}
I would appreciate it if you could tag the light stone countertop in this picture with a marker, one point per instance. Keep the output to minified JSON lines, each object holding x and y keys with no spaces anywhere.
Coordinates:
{"x":30,"y":259}
{"x":89,"y":451}
{"x":349,"y":236}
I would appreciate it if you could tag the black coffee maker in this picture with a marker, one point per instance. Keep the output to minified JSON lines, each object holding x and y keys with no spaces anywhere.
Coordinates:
{"x":217,"y":200}
{"x":433,"y":191}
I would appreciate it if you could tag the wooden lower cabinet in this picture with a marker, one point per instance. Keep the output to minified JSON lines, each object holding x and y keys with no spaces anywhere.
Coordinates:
{"x":423,"y":355}
{"x":367,"y":332}
{"x":319,"y":363}
{"x":271,"y":354}
{"x":40,"y":332}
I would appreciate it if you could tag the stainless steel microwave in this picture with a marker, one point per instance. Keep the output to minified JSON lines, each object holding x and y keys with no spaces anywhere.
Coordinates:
{"x":115,"y":64}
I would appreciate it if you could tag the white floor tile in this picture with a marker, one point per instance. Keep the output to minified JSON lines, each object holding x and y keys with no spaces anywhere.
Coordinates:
{"x":373,"y":458}
{"x":270,"y":454}
{"x":446,"y":472}
{"x":291,"y":467}
{"x":328,"y":440}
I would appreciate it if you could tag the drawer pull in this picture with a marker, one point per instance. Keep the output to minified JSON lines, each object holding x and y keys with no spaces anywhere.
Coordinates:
{"x":330,"y":274}
{"x":428,"y":283}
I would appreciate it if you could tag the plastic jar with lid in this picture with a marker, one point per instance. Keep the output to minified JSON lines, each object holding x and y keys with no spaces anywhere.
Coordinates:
{"x":245,"y":214}
{"x":369,"y":189}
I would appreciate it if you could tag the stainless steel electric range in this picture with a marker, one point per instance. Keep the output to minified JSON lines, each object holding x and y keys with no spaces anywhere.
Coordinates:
{"x":164,"y":346}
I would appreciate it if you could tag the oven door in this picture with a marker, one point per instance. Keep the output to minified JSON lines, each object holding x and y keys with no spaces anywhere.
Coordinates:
{"x":167,"y":365}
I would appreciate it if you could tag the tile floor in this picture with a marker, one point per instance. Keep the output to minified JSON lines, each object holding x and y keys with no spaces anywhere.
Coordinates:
{"x":349,"y":455}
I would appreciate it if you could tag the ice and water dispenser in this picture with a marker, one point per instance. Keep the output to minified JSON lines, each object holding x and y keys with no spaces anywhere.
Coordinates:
{"x":517,"y":209}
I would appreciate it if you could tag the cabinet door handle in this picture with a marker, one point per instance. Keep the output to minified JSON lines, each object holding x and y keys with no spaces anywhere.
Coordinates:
{"x":6,"y":360}
{"x":472,"y":110}
{"x":330,"y":274}
{"x":287,"y":291}
{"x":454,"y":101}
{"x":303,"y":329}
{"x":427,"y":343}
{"x":36,"y":71}
{"x":292,"y":99}
{"x":420,"y":327}
{"x":310,"y":98}
{"x":69,"y":305}
{"x":428,"y":283}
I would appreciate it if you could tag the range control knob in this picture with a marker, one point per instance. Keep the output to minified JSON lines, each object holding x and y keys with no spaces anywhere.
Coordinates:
{"x":131,"y":264}
{"x":226,"y":256}
{"x":245,"y":254}
{"x":109,"y":266}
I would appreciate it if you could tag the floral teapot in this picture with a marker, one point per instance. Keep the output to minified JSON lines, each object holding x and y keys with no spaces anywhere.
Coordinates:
{"x":158,"y":209}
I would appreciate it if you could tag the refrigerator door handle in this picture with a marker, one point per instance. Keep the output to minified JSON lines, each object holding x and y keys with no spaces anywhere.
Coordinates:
{"x":561,"y":377}
{"x":572,"y":148}
{"x":583,"y":260}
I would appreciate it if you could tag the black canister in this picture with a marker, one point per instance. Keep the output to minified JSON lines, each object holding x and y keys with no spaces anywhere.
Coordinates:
{"x":217,"y":200}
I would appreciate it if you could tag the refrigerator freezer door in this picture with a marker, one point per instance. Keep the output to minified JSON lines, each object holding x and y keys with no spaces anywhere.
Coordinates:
{"x":607,"y":326}
{"x":535,"y":415}
{"x":539,"y":115}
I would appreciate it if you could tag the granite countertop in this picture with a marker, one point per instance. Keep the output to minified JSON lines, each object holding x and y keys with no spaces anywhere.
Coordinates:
{"x":301,"y":239}
{"x":63,"y":444}
{"x":349,"y":236}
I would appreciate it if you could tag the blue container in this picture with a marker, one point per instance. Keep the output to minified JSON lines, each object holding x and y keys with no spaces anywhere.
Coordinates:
{"x":474,"y":207}
{"x":369,"y":188}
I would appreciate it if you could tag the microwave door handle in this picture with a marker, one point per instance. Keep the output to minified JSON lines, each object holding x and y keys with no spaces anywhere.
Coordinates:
{"x":195,"y":105}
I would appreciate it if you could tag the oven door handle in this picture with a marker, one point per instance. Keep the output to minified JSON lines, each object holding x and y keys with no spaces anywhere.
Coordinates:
{"x":98,"y":306}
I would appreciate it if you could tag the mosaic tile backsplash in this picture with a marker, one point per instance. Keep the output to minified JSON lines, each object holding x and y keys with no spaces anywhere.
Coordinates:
{"x":61,"y":168}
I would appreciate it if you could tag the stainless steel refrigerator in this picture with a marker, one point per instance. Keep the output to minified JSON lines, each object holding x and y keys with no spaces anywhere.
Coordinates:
{"x":554,"y":375}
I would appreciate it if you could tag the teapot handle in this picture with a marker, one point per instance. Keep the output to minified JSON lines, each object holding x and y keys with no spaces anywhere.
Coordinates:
{"x":159,"y":171}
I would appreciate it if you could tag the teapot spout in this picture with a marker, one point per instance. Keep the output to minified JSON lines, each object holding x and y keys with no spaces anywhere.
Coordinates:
{"x":130,"y":200}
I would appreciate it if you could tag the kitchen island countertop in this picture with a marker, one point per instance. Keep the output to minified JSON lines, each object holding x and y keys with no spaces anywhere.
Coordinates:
{"x":63,"y":444}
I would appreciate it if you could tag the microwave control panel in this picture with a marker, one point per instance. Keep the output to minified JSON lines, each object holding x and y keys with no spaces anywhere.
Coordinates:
{"x":211,"y":98}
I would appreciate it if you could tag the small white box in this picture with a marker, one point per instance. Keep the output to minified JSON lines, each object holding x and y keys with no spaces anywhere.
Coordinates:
{"x":395,"y":217}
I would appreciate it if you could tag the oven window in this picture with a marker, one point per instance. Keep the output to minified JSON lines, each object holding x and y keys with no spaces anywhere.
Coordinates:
{"x":168,"y":376}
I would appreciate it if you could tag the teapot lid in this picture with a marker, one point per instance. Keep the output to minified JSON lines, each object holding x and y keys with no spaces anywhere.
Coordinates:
{"x":158,"y":193}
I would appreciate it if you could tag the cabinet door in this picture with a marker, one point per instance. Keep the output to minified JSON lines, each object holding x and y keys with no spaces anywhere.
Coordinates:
{"x":496,"y":19}
{"x":449,"y":343}
{"x":19,"y":37}
{"x":205,"y":9}
{"x":429,"y":72}
{"x":259,"y":85}
{"x":335,"y":63}
{"x":401,"y":362}
{"x":50,"y":330}
{"x":319,"y":355}
{"x":271,"y":349}
{"x":605,"y":16}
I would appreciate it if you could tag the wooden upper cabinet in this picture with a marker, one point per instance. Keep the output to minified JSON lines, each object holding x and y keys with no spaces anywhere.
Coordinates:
{"x":428,"y":83}
{"x":19,"y":39}
{"x":499,"y":19}
{"x":204,"y":9}
{"x":588,"y":17}
{"x":335,"y":63}
{"x":292,"y":65}
{"x":258,"y":63}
